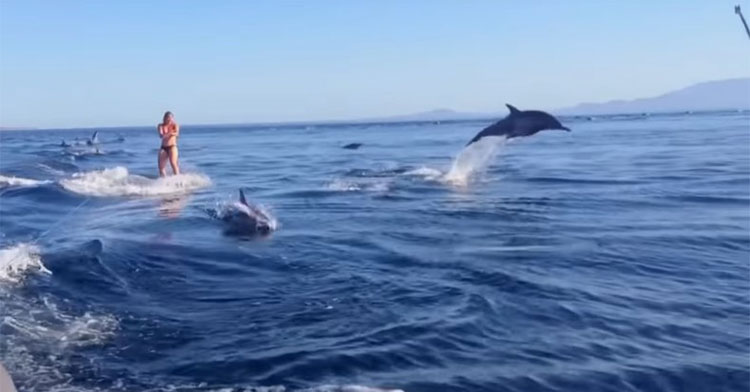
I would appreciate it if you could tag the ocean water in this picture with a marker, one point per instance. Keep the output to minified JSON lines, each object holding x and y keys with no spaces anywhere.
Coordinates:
{"x":612,"y":258}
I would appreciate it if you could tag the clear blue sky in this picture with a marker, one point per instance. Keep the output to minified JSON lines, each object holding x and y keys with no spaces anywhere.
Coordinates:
{"x":109,"y":63}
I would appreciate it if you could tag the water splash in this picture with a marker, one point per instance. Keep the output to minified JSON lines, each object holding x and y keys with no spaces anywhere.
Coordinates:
{"x":17,"y":260}
{"x":473,"y":159}
{"x":118,"y":181}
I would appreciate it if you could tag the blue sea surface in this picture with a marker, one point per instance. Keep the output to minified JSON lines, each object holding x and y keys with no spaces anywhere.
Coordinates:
{"x":612,"y":258}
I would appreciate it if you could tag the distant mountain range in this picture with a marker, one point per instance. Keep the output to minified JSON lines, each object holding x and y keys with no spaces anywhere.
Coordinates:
{"x":730,"y":94}
{"x":716,"y":95}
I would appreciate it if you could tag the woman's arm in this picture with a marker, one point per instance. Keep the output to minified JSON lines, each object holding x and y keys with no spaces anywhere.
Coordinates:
{"x":173,"y":131}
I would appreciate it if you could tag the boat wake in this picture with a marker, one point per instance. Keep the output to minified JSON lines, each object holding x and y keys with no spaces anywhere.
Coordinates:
{"x":38,"y":333}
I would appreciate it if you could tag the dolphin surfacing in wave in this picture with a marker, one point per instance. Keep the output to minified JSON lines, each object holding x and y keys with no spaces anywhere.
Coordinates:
{"x":242,"y":218}
{"x":520,"y":123}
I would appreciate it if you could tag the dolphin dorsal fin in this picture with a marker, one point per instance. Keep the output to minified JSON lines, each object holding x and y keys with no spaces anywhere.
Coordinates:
{"x":93,"y":137}
{"x":513,"y":109}
{"x":242,"y":197}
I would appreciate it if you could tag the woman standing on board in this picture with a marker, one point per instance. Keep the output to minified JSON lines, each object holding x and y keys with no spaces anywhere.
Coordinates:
{"x":168,"y":131}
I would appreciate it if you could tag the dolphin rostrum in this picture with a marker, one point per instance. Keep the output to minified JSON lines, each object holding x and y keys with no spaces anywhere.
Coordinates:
{"x":520,"y":123}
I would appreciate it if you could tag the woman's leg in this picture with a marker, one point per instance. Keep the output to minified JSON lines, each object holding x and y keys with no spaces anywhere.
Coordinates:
{"x":162,"y":162}
{"x":173,"y":155}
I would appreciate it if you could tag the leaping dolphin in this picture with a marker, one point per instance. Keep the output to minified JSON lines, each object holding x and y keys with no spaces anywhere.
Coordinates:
{"x":520,"y":123}
{"x":94,"y":139}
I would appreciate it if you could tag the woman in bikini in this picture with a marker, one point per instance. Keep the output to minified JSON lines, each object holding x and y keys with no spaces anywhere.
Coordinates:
{"x":168,"y":131}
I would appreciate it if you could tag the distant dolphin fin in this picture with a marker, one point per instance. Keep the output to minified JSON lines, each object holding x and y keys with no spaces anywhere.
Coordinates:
{"x":242,"y":197}
{"x":93,"y":137}
{"x":513,"y":109}
{"x":93,"y":247}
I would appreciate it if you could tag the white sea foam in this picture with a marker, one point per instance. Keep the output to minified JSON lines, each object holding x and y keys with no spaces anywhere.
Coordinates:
{"x":38,"y":325}
{"x":50,"y":325}
{"x":427,"y":173}
{"x":18,"y":260}
{"x":118,"y":182}
{"x":472,"y":159}
{"x":6,"y":181}
{"x":340,"y":185}
{"x":33,"y":327}
{"x":343,"y":186}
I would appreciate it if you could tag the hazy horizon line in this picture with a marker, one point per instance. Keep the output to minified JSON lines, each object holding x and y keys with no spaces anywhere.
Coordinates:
{"x":460,"y":115}
{"x":383,"y":120}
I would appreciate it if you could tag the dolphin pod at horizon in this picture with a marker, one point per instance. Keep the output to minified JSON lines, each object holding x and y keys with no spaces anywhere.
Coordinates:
{"x":521,"y":123}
